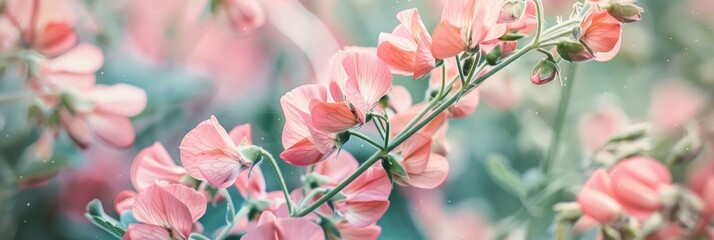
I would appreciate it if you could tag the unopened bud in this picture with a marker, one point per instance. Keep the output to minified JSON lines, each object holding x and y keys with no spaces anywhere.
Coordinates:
{"x":545,"y":71}
{"x":250,"y":153}
{"x":574,"y":52}
{"x":511,"y":11}
{"x":625,"y":13}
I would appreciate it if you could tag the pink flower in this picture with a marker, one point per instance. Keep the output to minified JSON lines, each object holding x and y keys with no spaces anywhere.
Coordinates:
{"x":701,"y":181}
{"x":124,"y":201}
{"x":464,"y":25}
{"x":154,"y":164}
{"x":424,"y":169}
{"x":75,"y":68}
{"x":407,"y":50}
{"x":270,"y":227}
{"x":366,"y":79}
{"x":304,"y":145}
{"x":436,"y":128}
{"x":241,"y":16}
{"x":527,"y":23}
{"x":350,"y":232}
{"x":209,"y":154}
{"x":166,"y":212}
{"x":601,"y":35}
{"x":501,"y":94}
{"x":399,"y":99}
{"x":596,"y":198}
{"x":104,"y":111}
{"x":366,"y":198}
{"x":674,"y":103}
{"x":46,"y":26}
{"x":637,"y":182}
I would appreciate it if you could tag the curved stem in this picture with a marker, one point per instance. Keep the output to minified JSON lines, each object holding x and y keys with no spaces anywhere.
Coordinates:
{"x":241,"y":213}
{"x":229,"y":201}
{"x":365,"y":138}
{"x":539,"y":10}
{"x":559,"y":119}
{"x":461,"y":71}
{"x":281,"y":180}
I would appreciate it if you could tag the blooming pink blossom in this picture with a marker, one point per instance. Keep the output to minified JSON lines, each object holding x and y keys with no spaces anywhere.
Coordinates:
{"x":304,"y":145}
{"x":271,"y":227}
{"x":527,"y":23}
{"x":596,"y":198}
{"x":601,"y":34}
{"x":209,"y":154}
{"x":637,"y":182}
{"x":166,"y":212}
{"x":154,"y":164}
{"x":424,"y":169}
{"x":241,"y":16}
{"x":46,"y":26}
{"x":407,"y":50}
{"x":75,"y":68}
{"x":464,"y":25}
{"x":366,"y":79}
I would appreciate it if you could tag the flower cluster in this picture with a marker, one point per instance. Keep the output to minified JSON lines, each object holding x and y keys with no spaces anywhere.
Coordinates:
{"x":340,"y":198}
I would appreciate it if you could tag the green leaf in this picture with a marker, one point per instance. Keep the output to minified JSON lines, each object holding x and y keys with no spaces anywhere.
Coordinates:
{"x":96,"y":215}
{"x":198,"y":236}
{"x":505,"y":176}
{"x":395,"y":165}
{"x":126,"y":218}
{"x":329,"y":227}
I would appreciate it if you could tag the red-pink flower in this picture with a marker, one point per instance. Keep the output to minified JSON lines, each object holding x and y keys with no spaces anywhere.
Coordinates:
{"x":596,"y":198}
{"x":366,"y":79}
{"x":601,"y":35}
{"x":407,"y":50}
{"x":46,"y":26}
{"x":209,"y":154}
{"x":154,"y":164}
{"x":304,"y":145}
{"x":424,"y":169}
{"x":166,"y":212}
{"x":271,"y":227}
{"x":241,"y":16}
{"x":465,"y":24}
{"x":637,"y":182}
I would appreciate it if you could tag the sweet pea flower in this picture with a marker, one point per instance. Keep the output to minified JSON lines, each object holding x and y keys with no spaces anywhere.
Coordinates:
{"x":103,"y":111}
{"x":468,"y":102}
{"x":241,"y":16}
{"x":271,"y":227}
{"x":673,"y":103}
{"x":45,"y":25}
{"x":424,"y":169}
{"x":75,"y":68}
{"x":350,"y":232}
{"x":601,"y":35}
{"x":596,"y":198}
{"x":166,"y":212}
{"x":154,"y":164}
{"x":407,"y":50}
{"x":304,"y":145}
{"x":598,"y":126}
{"x":366,"y":198}
{"x":527,"y":23}
{"x":464,"y":25}
{"x":637,"y":182}
{"x":209,"y":154}
{"x":365,"y":81}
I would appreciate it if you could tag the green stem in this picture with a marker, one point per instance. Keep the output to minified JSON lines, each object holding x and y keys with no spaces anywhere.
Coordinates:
{"x":281,"y":180}
{"x":559,"y":119}
{"x":461,"y":71}
{"x":443,"y":80}
{"x":539,"y":11}
{"x":229,"y":201}
{"x":365,"y":138}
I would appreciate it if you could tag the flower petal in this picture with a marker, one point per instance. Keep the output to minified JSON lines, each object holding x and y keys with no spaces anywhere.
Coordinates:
{"x":434,"y":175}
{"x":331,"y":117}
{"x":137,"y":231}
{"x":369,"y":80}
{"x":84,"y":58}
{"x":120,"y":99}
{"x":362,"y":214}
{"x":153,"y":164}
{"x":208,"y":142}
{"x":448,"y":41}
{"x":112,"y":129}
{"x":240,"y":132}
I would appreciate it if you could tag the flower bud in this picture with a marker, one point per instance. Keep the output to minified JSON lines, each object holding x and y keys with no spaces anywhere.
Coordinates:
{"x":250,"y":153}
{"x":574,"y":52}
{"x":511,"y":11}
{"x":625,"y":13}
{"x":545,"y":71}
{"x":502,"y":50}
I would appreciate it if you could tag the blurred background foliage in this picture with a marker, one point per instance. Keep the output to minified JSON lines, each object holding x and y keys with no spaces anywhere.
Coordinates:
{"x":672,"y":43}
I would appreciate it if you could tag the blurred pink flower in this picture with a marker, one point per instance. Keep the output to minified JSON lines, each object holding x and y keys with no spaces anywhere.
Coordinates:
{"x":596,"y":198}
{"x":598,"y":126}
{"x":241,"y":16}
{"x":637,"y":182}
{"x":75,"y":68}
{"x":154,"y":164}
{"x":527,"y":23}
{"x":674,"y":103}
{"x":46,"y":26}
{"x":271,"y":227}
{"x":502,"y":94}
{"x":304,"y":145}
{"x":464,"y":25}
{"x":407,"y":50}
{"x":430,"y":211}
{"x":701,"y":181}
{"x":168,"y":211}
{"x":124,"y":201}
{"x":366,"y":79}
{"x":209,"y":154}
{"x":424,"y":169}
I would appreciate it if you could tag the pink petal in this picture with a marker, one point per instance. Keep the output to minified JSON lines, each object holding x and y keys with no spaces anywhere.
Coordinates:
{"x":78,"y":81}
{"x":153,"y":164}
{"x":112,"y":129}
{"x":76,"y":128}
{"x":331,"y":117}
{"x":157,"y":206}
{"x":350,"y":232}
{"x":362,"y":214}
{"x":120,"y":99}
{"x":371,"y":185}
{"x":294,"y":104}
{"x":424,"y":60}
{"x":208,"y":142}
{"x":55,"y":38}
{"x":298,"y":229}
{"x":434,"y":175}
{"x":302,"y":153}
{"x":220,"y":172}
{"x":253,"y":186}
{"x":369,"y":80}
{"x":137,"y":231}
{"x":244,"y":16}
{"x":398,"y":52}
{"x":467,"y":105}
{"x":84,"y":58}
{"x":195,"y":201}
{"x":415,"y":151}
{"x":240,"y":132}
{"x":399,"y":99}
{"x":337,"y":168}
{"x":595,"y":198}
{"x":124,"y":201}
{"x":265,"y":230}
{"x":448,"y":41}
